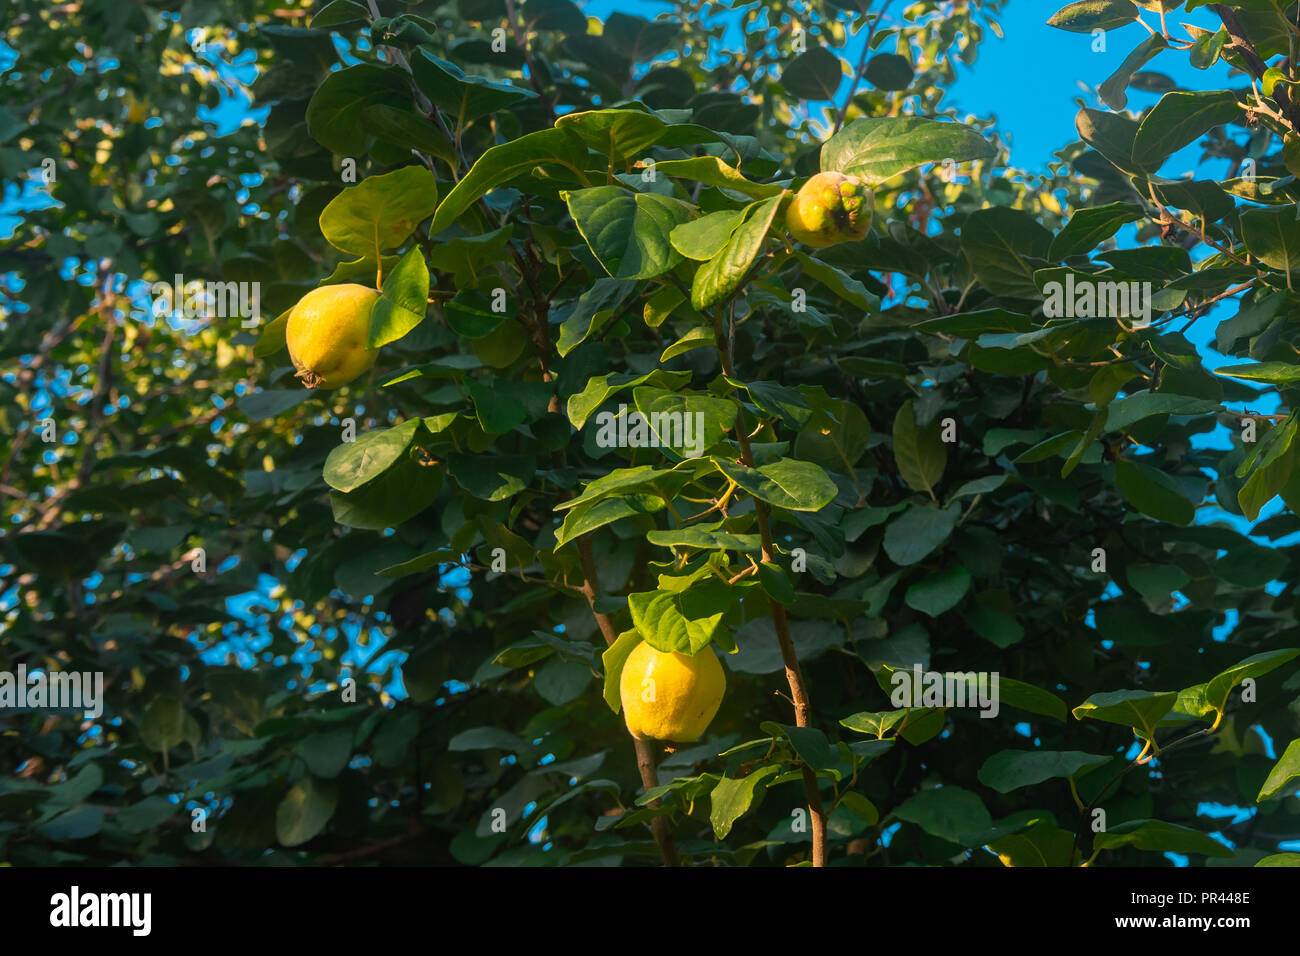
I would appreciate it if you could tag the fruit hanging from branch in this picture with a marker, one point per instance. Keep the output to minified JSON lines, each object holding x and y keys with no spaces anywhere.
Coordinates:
{"x":327,"y":332}
{"x":830,"y":208}
{"x":670,"y":696}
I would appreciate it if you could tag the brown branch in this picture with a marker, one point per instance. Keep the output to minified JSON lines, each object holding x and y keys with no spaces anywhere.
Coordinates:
{"x":793,"y":673}
{"x":1240,"y":43}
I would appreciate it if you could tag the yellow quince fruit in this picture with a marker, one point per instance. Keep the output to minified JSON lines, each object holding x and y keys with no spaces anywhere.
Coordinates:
{"x":670,"y":696}
{"x":830,"y":208}
{"x":327,"y":332}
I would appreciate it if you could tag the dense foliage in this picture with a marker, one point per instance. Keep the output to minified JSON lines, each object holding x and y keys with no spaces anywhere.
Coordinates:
{"x":385,"y":622}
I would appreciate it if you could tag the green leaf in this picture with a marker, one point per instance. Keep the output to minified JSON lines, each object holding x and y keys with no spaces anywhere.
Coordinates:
{"x":712,"y":171}
{"x":920,"y":453}
{"x":1016,"y":693}
{"x":628,"y":232}
{"x":326,"y":753}
{"x":722,"y":275}
{"x":561,"y":680}
{"x":949,"y":812}
{"x":1179,"y":119}
{"x":776,"y":583}
{"x":939,"y":592}
{"x":1283,"y":773}
{"x":1139,"y":709}
{"x":875,"y":723}
{"x":1137,"y":406}
{"x":336,"y":113}
{"x":703,"y":238}
{"x":835,"y":436}
{"x":813,"y":75}
{"x":731,"y":798}
{"x":889,"y":71}
{"x":1160,"y":837}
{"x":1010,"y":770}
{"x":1043,"y":844}
{"x":1153,"y":492}
{"x":911,"y":536}
{"x":839,"y":282}
{"x":697,"y":537}
{"x":1114,"y":90}
{"x":1220,"y":686}
{"x":787,"y":483}
{"x":667,"y":415}
{"x":699,"y":337}
{"x":1156,"y":582}
{"x":352,"y":464}
{"x":464,"y":98}
{"x":613,"y":659}
{"x":1088,"y":15}
{"x":995,"y":626}
{"x":271,"y":339}
{"x":487,"y":738}
{"x":1088,"y":228}
{"x":305,"y":811}
{"x":682,"y":621}
{"x":620,"y":134}
{"x":380,"y":212}
{"x":1275,"y":373}
{"x":600,"y":388}
{"x":404,"y":302}
{"x":860,"y":807}
{"x":1004,"y":248}
{"x":592,"y":312}
{"x":502,"y":163}
{"x":877,"y":149}
{"x":588,"y":516}
{"x":1272,"y":235}
{"x":146,"y":815}
{"x":163,"y":726}
{"x":1280,"y":859}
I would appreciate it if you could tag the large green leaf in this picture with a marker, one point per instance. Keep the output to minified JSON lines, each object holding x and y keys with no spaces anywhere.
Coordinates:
{"x":1178,"y":120}
{"x":1139,"y":709}
{"x":504,"y":162}
{"x":722,"y":275}
{"x":1280,"y":778}
{"x":919,"y":453}
{"x":628,"y":232}
{"x":731,"y":798}
{"x":1160,"y":837}
{"x":380,"y":212}
{"x":305,"y":811}
{"x":1009,"y":770}
{"x":1220,"y":686}
{"x":1153,"y":492}
{"x":683,"y":621}
{"x":1088,"y":15}
{"x":877,"y":149}
{"x":352,"y":464}
{"x":336,"y":115}
{"x":949,"y":812}
{"x":1273,"y":236}
{"x":1005,"y":247}
{"x":788,"y":483}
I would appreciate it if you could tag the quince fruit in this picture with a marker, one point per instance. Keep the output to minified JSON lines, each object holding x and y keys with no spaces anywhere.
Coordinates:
{"x":670,"y":696}
{"x":830,"y":208}
{"x":327,"y":332}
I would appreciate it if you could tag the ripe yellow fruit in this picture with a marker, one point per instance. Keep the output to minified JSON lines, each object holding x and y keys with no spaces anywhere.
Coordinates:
{"x":670,"y":696}
{"x":327,"y":332}
{"x":830,"y":208}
